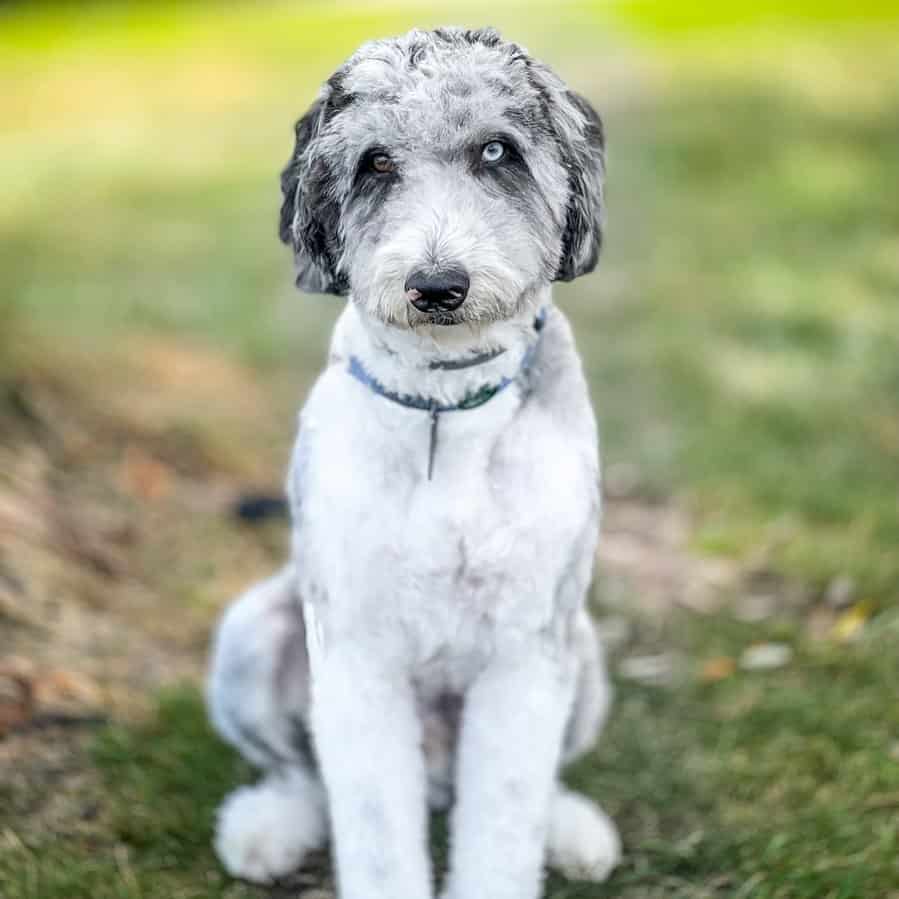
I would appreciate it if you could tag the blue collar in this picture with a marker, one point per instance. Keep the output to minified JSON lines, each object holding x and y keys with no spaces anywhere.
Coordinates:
{"x":472,"y":400}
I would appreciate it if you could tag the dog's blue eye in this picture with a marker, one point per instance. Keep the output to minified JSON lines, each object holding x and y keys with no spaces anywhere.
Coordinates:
{"x":493,"y":152}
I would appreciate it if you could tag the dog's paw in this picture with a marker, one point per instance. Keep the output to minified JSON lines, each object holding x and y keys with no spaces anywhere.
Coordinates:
{"x":583,"y":842}
{"x":264,"y":832}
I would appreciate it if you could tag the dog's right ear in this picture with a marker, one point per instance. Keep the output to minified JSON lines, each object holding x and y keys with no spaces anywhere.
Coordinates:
{"x":582,"y":141}
{"x":310,"y":212}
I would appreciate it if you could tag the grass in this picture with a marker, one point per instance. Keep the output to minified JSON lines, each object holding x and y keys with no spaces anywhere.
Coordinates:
{"x":767,"y":328}
{"x":742,"y":787}
{"x":742,"y":341}
{"x":163,"y":780}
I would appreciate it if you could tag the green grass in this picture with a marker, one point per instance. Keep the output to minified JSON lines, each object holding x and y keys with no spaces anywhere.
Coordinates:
{"x":775,"y":786}
{"x":161,"y":783}
{"x":742,"y":341}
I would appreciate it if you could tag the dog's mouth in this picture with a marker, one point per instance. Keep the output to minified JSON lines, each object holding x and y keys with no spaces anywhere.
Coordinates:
{"x":416,"y":319}
{"x":443,"y":319}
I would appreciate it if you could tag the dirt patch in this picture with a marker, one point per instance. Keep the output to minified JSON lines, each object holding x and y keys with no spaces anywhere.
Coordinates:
{"x":645,"y":563}
{"x":105,"y":497}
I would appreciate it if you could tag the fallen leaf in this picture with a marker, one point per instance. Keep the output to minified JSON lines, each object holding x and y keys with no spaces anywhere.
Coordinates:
{"x":655,"y":670}
{"x":143,"y":476}
{"x":66,"y":687}
{"x":766,"y":657}
{"x":717,"y":668}
{"x":849,"y":625}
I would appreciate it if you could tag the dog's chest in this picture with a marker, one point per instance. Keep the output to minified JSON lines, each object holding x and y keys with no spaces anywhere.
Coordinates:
{"x":446,"y":566}
{"x":451,"y":552}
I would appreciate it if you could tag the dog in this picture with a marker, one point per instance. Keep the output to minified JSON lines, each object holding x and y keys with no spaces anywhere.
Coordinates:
{"x":428,"y":642}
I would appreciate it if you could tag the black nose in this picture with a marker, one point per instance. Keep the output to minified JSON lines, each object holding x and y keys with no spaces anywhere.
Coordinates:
{"x":440,"y":291}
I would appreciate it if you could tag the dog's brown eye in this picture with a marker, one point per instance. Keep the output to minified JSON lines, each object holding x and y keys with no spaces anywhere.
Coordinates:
{"x":382,"y":164}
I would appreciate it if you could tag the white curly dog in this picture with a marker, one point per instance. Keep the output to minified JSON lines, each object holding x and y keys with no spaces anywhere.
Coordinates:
{"x":428,"y":642}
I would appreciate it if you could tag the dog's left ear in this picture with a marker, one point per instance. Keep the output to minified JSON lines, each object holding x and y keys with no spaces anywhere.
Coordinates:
{"x":310,"y":212}
{"x":582,"y":144}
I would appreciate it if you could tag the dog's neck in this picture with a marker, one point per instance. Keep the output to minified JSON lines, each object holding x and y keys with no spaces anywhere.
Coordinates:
{"x":443,"y":364}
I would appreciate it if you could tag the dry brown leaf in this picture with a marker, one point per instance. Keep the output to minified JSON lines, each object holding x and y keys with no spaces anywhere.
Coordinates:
{"x":143,"y":476}
{"x":57,"y":687}
{"x":717,"y":669}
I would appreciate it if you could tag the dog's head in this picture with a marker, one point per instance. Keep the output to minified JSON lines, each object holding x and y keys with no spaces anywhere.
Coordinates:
{"x":443,"y":177}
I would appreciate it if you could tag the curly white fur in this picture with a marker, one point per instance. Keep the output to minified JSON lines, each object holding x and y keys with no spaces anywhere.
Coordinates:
{"x":265,"y":831}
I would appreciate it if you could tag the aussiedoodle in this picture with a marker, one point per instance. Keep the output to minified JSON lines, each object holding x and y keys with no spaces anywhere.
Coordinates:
{"x":428,"y":641}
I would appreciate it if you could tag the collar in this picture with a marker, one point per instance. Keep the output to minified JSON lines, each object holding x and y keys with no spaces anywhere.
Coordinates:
{"x":472,"y":400}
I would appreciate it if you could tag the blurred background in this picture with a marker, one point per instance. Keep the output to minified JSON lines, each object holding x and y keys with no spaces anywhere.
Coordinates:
{"x":742,"y":342}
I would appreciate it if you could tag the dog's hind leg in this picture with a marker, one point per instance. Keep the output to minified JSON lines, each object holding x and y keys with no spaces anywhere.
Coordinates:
{"x":582,"y":841}
{"x":258,"y":697}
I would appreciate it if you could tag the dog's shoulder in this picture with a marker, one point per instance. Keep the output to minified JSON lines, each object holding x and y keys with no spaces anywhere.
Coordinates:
{"x":558,"y":387}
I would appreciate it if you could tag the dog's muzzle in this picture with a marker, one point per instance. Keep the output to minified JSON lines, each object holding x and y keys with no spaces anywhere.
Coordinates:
{"x":439,"y":292}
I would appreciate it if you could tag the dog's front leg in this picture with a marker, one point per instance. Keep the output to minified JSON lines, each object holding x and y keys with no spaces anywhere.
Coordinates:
{"x":368,"y":738}
{"x":509,"y":751}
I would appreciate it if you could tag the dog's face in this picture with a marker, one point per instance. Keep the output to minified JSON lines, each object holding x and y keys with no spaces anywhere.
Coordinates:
{"x":442,"y":178}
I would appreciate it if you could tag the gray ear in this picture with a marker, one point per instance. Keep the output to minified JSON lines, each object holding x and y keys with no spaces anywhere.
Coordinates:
{"x":310,"y":212}
{"x":582,"y":144}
